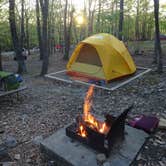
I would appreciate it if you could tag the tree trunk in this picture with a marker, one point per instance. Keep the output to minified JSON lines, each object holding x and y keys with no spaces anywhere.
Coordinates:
{"x":17,"y":48}
{"x":137,"y":21}
{"x":22,"y":37}
{"x":83,"y":32}
{"x":66,"y":53}
{"x":112,"y":23}
{"x":116,"y":33}
{"x":39,"y":29}
{"x":91,"y":23}
{"x":0,"y":60}
{"x":51,"y":28}
{"x":75,"y":33}
{"x":69,"y":31}
{"x":98,"y":17}
{"x":27,"y":34}
{"x":89,"y":18}
{"x":44,"y":6}
{"x":121,"y":20}
{"x":155,"y":51}
{"x":157,"y":37}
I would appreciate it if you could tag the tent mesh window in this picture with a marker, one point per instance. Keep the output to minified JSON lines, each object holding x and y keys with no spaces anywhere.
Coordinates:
{"x":88,"y":55}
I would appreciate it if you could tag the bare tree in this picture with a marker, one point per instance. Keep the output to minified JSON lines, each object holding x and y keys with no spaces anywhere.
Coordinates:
{"x":22,"y":37}
{"x":39,"y":29}
{"x":91,"y":12}
{"x":16,"y":43}
{"x":99,"y":16}
{"x":137,"y":21}
{"x":65,"y":57}
{"x":121,"y":19}
{"x":89,"y":17}
{"x":1,"y":47}
{"x":51,"y":26}
{"x":155,"y":51}
{"x":69,"y":31}
{"x":27,"y":32}
{"x":75,"y":33}
{"x":158,"y":51}
{"x":0,"y":59}
{"x":68,"y":15}
{"x":44,"y":9}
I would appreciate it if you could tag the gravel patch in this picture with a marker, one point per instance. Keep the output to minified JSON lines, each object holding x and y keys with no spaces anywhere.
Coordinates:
{"x":49,"y":105}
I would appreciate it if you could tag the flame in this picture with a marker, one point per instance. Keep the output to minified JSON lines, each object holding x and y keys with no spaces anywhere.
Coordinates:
{"x":82,"y":131}
{"x":88,"y":118}
{"x":103,"y":128}
{"x":88,"y":101}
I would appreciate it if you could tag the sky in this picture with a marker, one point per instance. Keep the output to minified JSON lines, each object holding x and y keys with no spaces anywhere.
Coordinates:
{"x":80,"y":3}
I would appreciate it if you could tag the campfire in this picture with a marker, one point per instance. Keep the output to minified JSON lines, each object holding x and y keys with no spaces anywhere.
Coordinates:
{"x":88,"y":119}
{"x":101,"y":135}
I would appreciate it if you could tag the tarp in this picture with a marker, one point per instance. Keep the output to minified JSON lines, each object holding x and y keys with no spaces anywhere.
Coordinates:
{"x":101,"y":56}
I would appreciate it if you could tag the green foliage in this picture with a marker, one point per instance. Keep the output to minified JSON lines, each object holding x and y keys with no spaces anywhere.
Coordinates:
{"x":5,"y":37}
{"x":105,"y":20}
{"x":33,"y":35}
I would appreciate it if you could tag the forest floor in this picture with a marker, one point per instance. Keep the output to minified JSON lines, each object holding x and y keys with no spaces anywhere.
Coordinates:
{"x":47,"y":106}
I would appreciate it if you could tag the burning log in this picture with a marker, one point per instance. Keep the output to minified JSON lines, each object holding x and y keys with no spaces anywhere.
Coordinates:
{"x":100,"y":135}
{"x":88,"y":119}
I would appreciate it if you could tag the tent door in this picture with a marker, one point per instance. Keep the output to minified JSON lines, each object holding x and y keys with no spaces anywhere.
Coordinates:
{"x":88,"y":55}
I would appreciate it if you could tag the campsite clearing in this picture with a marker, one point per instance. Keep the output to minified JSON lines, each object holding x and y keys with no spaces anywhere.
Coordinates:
{"x":49,"y":105}
{"x":113,"y":85}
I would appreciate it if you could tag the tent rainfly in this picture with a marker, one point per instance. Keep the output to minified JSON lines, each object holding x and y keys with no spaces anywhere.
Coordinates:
{"x":101,"y":57}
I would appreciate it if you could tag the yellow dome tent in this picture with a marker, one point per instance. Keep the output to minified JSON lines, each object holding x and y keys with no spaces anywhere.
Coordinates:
{"x":101,"y":57}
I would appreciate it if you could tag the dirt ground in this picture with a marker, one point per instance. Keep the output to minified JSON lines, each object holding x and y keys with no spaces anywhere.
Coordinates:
{"x":48,"y":105}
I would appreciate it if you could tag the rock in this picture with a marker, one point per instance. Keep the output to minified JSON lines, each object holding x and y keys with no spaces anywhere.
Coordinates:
{"x":8,"y":164}
{"x":3,"y":151}
{"x":51,"y":163}
{"x":28,"y":161}
{"x":33,"y":155}
{"x":17,"y":157}
{"x":139,"y":157}
{"x":161,"y":90}
{"x":101,"y":158}
{"x":146,"y":147}
{"x":139,"y":164}
{"x":162,"y":123}
{"x":4,"y":123}
{"x":1,"y":131}
{"x":7,"y":127}
{"x":106,"y":164}
{"x":160,"y":142}
{"x":1,"y":141}
{"x":63,"y":97}
{"x":10,"y":141}
{"x":24,"y":118}
{"x":37,"y":140}
{"x":155,"y":144}
{"x":161,"y":163}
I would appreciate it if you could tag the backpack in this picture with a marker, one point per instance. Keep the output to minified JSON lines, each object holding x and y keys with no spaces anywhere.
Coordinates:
{"x":8,"y":81}
{"x":146,"y":123}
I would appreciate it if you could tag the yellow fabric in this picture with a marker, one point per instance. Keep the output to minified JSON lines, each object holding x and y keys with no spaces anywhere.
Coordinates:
{"x":92,"y":70}
{"x":115,"y":58}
